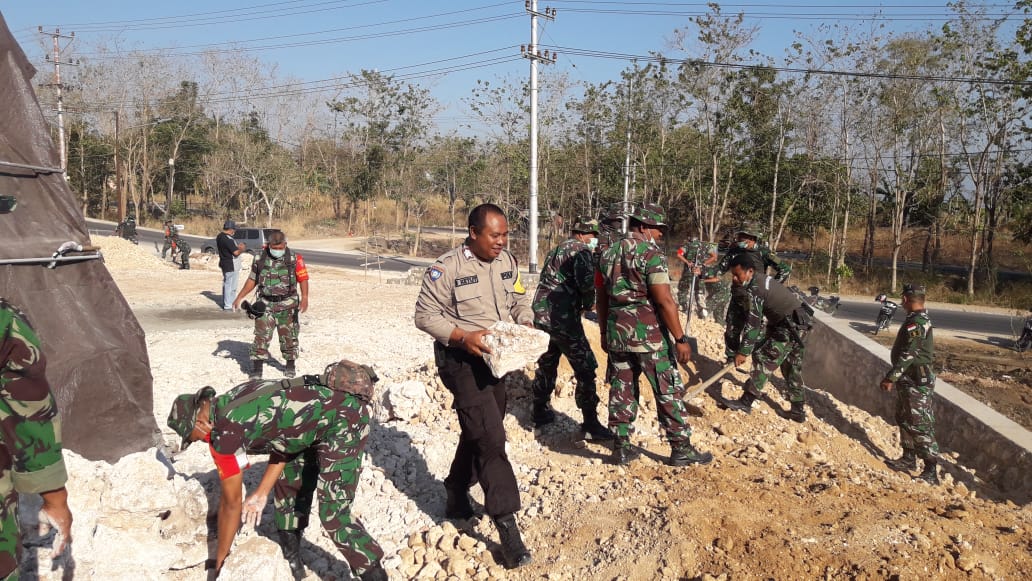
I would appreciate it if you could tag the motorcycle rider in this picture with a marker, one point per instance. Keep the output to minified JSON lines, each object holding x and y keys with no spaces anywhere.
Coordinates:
{"x":888,"y":309}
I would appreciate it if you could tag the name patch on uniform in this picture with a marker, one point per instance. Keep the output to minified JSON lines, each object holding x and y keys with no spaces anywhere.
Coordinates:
{"x":507,"y":275}
{"x":466,"y":280}
{"x":434,"y":273}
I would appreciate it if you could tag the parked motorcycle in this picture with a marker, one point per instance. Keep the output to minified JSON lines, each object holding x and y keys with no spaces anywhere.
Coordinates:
{"x":1025,"y":341}
{"x":885,"y":314}
{"x":827,"y":304}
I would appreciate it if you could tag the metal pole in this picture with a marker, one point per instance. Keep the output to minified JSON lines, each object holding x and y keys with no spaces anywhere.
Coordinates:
{"x":171,"y":182}
{"x":627,"y":176}
{"x":118,"y":172}
{"x":60,"y":103}
{"x":533,"y":138}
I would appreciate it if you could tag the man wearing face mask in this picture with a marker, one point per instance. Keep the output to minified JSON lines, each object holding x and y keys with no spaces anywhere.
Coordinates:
{"x":566,"y":289}
{"x":760,"y":256}
{"x":278,"y":274}
{"x":642,"y":334}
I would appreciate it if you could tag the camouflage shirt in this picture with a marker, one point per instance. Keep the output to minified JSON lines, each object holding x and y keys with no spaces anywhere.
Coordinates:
{"x":914,"y":349}
{"x":263,"y":417}
{"x":627,"y":269}
{"x":278,"y":277}
{"x":768,"y":300}
{"x":763,"y":258}
{"x":31,"y":460}
{"x":566,"y":286}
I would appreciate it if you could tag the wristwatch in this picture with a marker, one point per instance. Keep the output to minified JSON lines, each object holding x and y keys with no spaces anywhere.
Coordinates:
{"x":682,"y":340}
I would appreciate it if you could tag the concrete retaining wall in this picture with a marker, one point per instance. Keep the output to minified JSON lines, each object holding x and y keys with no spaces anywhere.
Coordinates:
{"x":849,"y":365}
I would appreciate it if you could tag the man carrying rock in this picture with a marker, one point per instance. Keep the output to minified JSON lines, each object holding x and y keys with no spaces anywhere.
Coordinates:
{"x":637,"y":315}
{"x":31,"y":439}
{"x":465,"y":292}
{"x":566,"y":289}
{"x":229,"y":262}
{"x":914,"y":379}
{"x":778,"y":343}
{"x":278,"y":274}
{"x":314,"y":429}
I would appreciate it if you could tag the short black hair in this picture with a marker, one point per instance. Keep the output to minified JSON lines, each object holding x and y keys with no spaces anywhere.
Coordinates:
{"x":743,"y":260}
{"x":478,"y":216}
{"x":277,"y":237}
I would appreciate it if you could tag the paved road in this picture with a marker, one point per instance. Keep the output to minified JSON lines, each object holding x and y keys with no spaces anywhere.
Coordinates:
{"x":991,"y":325}
{"x":354,"y":259}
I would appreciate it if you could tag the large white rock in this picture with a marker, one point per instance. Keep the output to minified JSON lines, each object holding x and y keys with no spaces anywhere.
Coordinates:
{"x":141,"y":483}
{"x":404,"y":400}
{"x":513,"y":347}
{"x":255,"y":557}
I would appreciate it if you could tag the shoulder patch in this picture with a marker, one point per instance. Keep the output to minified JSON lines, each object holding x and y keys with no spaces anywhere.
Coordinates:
{"x":518,"y":285}
{"x":434,"y":272}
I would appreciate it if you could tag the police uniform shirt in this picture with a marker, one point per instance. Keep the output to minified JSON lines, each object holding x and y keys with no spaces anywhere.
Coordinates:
{"x":460,"y":290}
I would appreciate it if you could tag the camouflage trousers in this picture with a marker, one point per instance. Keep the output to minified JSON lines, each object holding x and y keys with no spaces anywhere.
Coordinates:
{"x":660,"y":370}
{"x":574,"y":345}
{"x":737,"y":314}
{"x":10,"y":547}
{"x":165,"y":248}
{"x":684,"y":287}
{"x":779,"y":350}
{"x":333,"y":468}
{"x":915,"y":417}
{"x":184,"y":256}
{"x":718,"y":295}
{"x":281,"y":318}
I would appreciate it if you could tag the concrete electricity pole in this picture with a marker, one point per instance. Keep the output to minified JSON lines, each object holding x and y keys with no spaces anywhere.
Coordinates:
{"x":56,"y":59}
{"x":534,"y":54}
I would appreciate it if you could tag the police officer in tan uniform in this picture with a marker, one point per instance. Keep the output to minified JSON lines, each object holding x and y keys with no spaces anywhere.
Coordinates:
{"x":465,"y":292}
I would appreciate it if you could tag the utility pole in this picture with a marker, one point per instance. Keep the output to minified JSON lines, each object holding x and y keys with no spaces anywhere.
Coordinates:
{"x":118,"y":172}
{"x":56,"y":59}
{"x":533,"y":53}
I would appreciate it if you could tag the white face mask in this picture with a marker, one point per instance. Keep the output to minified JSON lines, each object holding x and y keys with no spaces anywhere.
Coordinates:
{"x":277,"y":253}
{"x":593,"y":243}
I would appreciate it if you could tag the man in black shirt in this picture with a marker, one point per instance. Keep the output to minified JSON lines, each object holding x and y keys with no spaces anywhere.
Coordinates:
{"x":229,"y":262}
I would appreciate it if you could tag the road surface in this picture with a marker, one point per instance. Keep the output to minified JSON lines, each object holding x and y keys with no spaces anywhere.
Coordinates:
{"x":992,"y":325}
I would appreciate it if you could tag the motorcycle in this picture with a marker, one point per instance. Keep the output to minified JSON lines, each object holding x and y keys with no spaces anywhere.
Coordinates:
{"x":885,"y":314}
{"x":827,"y":304}
{"x":1025,"y":341}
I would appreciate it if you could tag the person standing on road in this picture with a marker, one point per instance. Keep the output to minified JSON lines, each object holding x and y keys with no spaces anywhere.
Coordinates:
{"x":465,"y":292}
{"x":229,"y":262}
{"x":566,"y":289}
{"x":637,"y":315}
{"x":314,"y":429}
{"x":32,"y":461}
{"x":914,"y":380}
{"x":169,"y":229}
{"x":778,"y":343}
{"x":278,"y":274}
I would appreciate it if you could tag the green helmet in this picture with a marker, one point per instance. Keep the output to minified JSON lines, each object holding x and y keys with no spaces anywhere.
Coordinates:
{"x":650,"y":214}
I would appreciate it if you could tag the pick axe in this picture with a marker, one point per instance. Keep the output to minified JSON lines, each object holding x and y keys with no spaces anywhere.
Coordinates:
{"x":696,"y":390}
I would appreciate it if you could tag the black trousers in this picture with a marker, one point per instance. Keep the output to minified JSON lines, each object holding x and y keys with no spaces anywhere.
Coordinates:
{"x":480,"y":456}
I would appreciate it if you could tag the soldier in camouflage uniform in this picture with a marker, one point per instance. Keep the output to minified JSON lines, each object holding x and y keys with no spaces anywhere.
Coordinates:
{"x":183,"y":247}
{"x":31,"y":437}
{"x":278,"y":273}
{"x":914,"y":379}
{"x":748,"y":244}
{"x":692,"y":255}
{"x":566,"y":289}
{"x":170,"y":229}
{"x":778,"y":343}
{"x":637,"y":315}
{"x":314,"y":429}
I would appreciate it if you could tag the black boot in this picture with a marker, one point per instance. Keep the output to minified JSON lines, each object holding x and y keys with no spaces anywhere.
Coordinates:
{"x":458,"y":505}
{"x":623,"y":453}
{"x":798,"y":412}
{"x":683,"y":454}
{"x":930,"y":474}
{"x":514,"y":552}
{"x":905,"y":463}
{"x":543,"y":414}
{"x":593,"y":429}
{"x":289,"y":370}
{"x":742,"y":404}
{"x":256,"y":369}
{"x":374,"y":573}
{"x":290,"y":542}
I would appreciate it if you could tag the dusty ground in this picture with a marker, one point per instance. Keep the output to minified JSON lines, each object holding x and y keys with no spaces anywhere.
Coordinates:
{"x":780,"y":501}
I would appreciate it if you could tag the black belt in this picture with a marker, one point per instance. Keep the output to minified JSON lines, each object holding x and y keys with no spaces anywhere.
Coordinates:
{"x":269,"y":299}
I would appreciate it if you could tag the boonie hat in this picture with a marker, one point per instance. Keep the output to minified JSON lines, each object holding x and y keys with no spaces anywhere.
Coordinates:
{"x":650,"y":214}
{"x":184,"y":412}
{"x":749,"y":229}
{"x":586,"y":225}
{"x":229,"y":225}
{"x":911,"y":289}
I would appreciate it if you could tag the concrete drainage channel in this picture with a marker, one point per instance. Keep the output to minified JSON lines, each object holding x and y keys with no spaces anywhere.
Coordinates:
{"x":848,"y":365}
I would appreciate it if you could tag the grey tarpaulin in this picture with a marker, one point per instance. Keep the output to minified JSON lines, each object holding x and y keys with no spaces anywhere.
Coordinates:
{"x":96,"y":354}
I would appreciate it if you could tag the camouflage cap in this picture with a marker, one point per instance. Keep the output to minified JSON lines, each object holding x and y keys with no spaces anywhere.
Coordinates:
{"x":586,"y":225}
{"x":351,"y":377}
{"x":184,"y":412}
{"x":749,"y":229}
{"x":913,"y":290}
{"x":650,"y":214}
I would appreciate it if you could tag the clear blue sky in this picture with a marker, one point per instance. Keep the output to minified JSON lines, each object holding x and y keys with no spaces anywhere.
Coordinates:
{"x":320,"y":39}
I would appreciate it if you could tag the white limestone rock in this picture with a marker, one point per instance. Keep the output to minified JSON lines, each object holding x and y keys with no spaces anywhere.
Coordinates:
{"x":405,"y":399}
{"x":513,"y":347}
